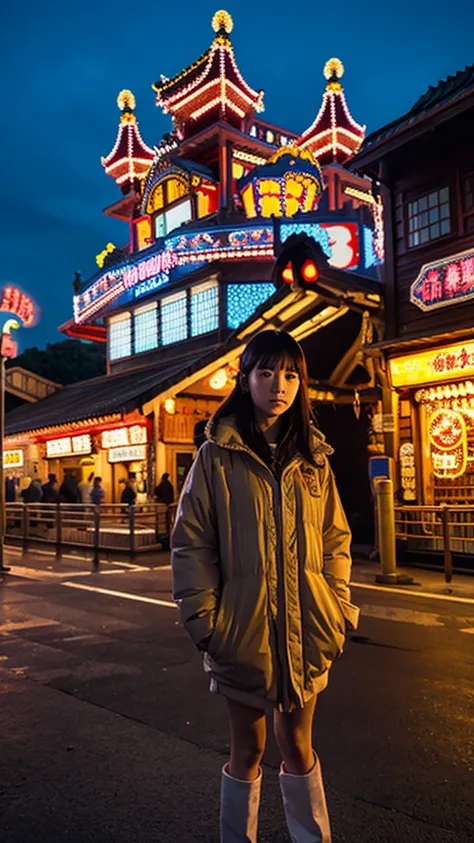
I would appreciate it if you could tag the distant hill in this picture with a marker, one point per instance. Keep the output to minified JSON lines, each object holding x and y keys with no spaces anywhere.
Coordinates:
{"x":64,"y":362}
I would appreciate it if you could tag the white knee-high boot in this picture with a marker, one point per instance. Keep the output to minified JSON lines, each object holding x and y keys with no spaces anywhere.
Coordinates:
{"x":240,"y":801}
{"x":305,"y":807}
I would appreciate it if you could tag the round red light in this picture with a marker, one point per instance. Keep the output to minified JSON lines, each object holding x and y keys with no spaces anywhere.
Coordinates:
{"x":287,"y":274}
{"x":309,"y":271}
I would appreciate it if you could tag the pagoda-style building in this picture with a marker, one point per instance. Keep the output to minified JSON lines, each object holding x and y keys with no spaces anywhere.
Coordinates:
{"x":208,"y":210}
{"x":210,"y":90}
{"x":130,"y":159}
{"x":334,"y":137}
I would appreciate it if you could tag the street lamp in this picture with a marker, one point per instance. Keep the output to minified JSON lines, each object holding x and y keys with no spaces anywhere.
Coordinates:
{"x":17,"y":304}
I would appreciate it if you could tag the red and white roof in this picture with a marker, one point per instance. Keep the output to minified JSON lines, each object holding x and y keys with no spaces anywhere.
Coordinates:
{"x":211,"y":87}
{"x":334,"y":136}
{"x":131,"y":158}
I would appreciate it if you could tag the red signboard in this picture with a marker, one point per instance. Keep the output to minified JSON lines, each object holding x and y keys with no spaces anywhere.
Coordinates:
{"x":444,"y":282}
{"x":8,"y":347}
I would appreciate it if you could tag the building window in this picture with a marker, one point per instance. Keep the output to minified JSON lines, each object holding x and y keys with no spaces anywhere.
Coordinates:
{"x":120,"y":336}
{"x":174,"y":318}
{"x":244,"y":299}
{"x":204,"y":308}
{"x":428,"y":217}
{"x":169,"y":220}
{"x":145,"y":327}
{"x":468,"y":202}
{"x":178,"y":215}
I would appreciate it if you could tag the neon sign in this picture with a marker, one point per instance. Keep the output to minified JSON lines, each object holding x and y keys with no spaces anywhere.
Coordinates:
{"x":447,"y":434}
{"x":13,"y":301}
{"x":444,"y":282}
{"x":113,"y":284}
{"x":339,"y":241}
{"x":442,"y":364}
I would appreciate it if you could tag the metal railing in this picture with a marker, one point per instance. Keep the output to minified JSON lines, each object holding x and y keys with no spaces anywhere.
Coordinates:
{"x":109,"y":527}
{"x":442,"y":529}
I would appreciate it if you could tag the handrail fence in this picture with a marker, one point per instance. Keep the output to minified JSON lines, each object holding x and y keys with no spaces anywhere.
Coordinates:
{"x":109,"y":527}
{"x":444,"y":529}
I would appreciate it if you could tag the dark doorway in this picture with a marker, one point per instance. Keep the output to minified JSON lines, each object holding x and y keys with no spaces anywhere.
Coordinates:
{"x":184,"y":462}
{"x":349,"y":438}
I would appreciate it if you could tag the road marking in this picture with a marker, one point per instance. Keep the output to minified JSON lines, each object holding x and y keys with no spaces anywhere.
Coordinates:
{"x":35,"y":574}
{"x":469,"y":630}
{"x":406,"y":592}
{"x":32,"y":623}
{"x":123,"y":594}
{"x":388,"y":613}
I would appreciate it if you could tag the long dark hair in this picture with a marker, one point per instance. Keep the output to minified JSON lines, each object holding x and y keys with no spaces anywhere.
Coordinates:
{"x":266,"y":350}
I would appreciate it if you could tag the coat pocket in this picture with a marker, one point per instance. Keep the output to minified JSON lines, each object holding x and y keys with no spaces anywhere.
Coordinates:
{"x":324,"y":623}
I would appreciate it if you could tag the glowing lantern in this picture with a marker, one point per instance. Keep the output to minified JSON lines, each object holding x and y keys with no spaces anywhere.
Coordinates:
{"x":290,"y":183}
{"x":170,"y":406}
{"x":219,"y":380}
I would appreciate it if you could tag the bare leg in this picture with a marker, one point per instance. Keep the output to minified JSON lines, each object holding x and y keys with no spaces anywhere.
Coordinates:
{"x":248,"y":735}
{"x":293,"y":734}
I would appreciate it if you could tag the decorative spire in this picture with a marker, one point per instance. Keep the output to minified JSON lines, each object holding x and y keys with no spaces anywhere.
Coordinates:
{"x":210,"y":89}
{"x":130,"y":159}
{"x":334,"y":136}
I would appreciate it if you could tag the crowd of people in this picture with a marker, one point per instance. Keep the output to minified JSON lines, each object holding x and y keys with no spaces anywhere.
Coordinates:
{"x":88,"y":491}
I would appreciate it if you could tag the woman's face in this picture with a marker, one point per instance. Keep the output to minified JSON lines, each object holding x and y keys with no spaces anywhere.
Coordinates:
{"x":273,"y":391}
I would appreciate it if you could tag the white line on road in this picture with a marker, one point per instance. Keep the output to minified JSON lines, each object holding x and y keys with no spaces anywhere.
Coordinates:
{"x":125,"y":595}
{"x":35,"y":574}
{"x":407,"y":593}
{"x":389,"y":613}
{"x":468,"y":629}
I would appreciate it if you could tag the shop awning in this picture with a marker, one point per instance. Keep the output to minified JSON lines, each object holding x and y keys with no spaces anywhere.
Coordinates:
{"x":303,"y":313}
{"x":94,"y":399}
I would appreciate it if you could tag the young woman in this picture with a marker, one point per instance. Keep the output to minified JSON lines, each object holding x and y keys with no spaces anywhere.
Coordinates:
{"x":261,"y":565}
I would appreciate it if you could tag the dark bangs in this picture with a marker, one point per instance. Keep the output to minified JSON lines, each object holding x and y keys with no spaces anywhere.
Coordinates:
{"x":265,"y":351}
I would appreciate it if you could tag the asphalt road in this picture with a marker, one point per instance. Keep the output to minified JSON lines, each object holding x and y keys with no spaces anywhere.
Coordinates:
{"x":109,"y":734}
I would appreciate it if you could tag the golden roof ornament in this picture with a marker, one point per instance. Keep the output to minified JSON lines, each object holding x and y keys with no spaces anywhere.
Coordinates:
{"x":222,"y":22}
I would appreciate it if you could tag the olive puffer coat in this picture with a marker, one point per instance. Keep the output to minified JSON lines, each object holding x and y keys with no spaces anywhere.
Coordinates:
{"x":261,"y":569}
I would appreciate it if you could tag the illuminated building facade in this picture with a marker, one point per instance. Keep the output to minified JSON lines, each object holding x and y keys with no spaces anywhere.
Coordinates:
{"x":208,"y":209}
{"x":425,"y":165}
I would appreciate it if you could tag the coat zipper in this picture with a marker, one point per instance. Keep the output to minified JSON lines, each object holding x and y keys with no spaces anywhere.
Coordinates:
{"x":284,"y":662}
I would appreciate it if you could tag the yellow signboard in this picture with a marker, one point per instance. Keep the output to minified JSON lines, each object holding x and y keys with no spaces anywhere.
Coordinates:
{"x":435,"y":366}
{"x":13,"y":459}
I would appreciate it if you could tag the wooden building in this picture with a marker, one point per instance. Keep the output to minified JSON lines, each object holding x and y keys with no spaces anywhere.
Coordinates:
{"x":424,"y":163}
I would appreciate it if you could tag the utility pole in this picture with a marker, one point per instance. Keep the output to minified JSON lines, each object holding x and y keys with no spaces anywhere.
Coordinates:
{"x":3,"y":568}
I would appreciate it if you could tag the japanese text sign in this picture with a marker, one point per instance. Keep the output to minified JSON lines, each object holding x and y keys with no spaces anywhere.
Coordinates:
{"x":441,"y":364}
{"x":444,"y":282}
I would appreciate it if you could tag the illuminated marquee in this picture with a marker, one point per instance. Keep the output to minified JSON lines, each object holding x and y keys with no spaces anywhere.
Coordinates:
{"x":69,"y":446}
{"x":13,"y":301}
{"x":13,"y":459}
{"x":448,"y":440}
{"x":153,"y":272}
{"x":441,"y":364}
{"x":113,"y":284}
{"x":444,"y":282}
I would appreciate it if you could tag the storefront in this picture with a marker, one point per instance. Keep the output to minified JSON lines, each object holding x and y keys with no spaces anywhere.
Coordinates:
{"x":435,"y":390}
{"x":111,"y":453}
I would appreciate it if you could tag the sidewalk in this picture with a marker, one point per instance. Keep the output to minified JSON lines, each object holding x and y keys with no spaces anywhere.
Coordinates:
{"x":426,"y":581}
{"x":363,"y":571}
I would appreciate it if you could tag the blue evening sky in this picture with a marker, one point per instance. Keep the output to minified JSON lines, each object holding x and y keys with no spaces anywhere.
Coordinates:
{"x":63,"y":64}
